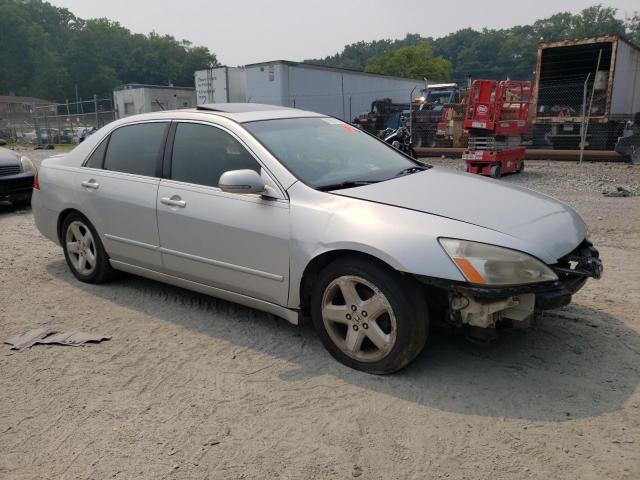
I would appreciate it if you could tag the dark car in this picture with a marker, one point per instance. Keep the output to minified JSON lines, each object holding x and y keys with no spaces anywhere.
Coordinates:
{"x":16,"y":177}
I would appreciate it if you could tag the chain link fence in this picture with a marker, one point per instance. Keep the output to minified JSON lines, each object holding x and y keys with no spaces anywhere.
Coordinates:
{"x":56,"y":123}
{"x":572,"y":111}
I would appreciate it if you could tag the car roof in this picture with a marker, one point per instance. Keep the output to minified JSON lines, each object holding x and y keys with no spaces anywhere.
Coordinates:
{"x":250,"y":112}
{"x":241,"y":107}
{"x":236,"y":112}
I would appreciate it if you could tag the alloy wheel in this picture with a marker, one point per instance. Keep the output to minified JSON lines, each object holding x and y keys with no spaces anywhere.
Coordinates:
{"x":81,"y":247}
{"x":359,"y":318}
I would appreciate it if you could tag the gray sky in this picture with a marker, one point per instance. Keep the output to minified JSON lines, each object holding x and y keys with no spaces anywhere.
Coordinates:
{"x":247,"y":31}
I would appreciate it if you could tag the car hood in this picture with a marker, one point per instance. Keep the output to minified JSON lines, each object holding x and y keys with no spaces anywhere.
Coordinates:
{"x":519,"y":212}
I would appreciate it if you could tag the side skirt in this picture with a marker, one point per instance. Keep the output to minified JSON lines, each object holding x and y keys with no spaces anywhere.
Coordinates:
{"x":289,"y":315}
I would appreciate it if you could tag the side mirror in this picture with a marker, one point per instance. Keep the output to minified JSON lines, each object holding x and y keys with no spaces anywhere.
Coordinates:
{"x":242,"y":181}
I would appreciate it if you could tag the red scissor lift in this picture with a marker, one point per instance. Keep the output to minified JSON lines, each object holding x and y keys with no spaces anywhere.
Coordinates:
{"x":495,"y":120}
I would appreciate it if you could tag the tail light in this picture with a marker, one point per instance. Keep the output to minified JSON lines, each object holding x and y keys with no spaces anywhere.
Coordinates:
{"x":36,"y":183}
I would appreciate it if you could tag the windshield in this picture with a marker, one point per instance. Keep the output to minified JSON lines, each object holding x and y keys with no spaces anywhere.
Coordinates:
{"x":324,"y":152}
{"x":440,"y":96}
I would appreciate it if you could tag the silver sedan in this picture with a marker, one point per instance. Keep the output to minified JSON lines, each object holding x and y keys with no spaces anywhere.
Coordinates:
{"x":302,"y":215}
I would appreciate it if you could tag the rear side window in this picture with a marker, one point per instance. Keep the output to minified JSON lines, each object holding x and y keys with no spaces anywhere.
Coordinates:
{"x":201,"y":154}
{"x":96,"y":158}
{"x":136,"y":148}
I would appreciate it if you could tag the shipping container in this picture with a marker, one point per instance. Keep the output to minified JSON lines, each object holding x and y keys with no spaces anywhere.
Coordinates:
{"x":595,"y":77}
{"x":220,"y":85}
{"x":332,"y":91}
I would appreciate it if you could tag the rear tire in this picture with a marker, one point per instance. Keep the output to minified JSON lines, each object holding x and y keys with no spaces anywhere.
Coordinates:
{"x":496,"y":171}
{"x":368,"y":316}
{"x":521,"y":167}
{"x":84,"y":251}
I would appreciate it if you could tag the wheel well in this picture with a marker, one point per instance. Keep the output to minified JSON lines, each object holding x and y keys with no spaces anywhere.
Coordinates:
{"x":61,"y":218}
{"x":316,"y":265}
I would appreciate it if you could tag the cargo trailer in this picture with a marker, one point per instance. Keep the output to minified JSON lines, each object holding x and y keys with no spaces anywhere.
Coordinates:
{"x":220,"y":85}
{"x":598,"y":78}
{"x":339,"y":92}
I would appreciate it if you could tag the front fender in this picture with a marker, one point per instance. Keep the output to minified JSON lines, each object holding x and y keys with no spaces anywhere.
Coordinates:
{"x":405,"y":239}
{"x":323,"y":222}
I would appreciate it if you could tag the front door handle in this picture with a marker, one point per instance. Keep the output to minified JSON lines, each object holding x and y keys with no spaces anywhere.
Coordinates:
{"x":90,"y":184}
{"x":174,"y":201}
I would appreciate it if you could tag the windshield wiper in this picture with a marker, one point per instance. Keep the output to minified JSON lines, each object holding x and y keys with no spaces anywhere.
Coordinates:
{"x":410,"y":170}
{"x":345,"y":184}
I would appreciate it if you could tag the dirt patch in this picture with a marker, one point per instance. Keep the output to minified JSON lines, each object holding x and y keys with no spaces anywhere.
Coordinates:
{"x":194,"y":387}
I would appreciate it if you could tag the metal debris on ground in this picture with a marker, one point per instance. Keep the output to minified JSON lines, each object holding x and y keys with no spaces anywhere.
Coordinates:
{"x":46,"y":336}
{"x":617,"y":191}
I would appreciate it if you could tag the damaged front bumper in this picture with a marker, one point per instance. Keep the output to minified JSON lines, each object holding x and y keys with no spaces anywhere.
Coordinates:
{"x":484,"y":306}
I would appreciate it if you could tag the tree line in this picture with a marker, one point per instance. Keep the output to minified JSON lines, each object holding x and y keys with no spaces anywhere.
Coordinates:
{"x":47,"y":51}
{"x":488,"y":53}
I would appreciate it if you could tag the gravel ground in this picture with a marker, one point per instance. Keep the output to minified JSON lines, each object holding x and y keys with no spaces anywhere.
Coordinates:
{"x":193,"y":387}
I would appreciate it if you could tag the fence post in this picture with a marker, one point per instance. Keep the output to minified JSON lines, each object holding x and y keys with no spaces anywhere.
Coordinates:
{"x":584,"y":116}
{"x":95,"y":109}
{"x":593,"y":89}
{"x":411,"y":115}
{"x":35,"y":123}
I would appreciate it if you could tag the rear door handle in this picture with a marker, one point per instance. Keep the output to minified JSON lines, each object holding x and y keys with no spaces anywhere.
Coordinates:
{"x":90,"y":184}
{"x":174,"y":201}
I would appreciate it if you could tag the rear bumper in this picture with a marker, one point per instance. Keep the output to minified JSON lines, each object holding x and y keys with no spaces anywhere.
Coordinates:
{"x":16,"y":187}
{"x":46,"y":220}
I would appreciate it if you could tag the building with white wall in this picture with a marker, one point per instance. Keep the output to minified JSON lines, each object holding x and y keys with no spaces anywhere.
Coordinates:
{"x":135,"y":98}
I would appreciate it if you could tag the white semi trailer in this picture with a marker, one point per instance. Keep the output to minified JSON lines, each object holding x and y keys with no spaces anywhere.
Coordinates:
{"x":220,"y":85}
{"x":333,"y":91}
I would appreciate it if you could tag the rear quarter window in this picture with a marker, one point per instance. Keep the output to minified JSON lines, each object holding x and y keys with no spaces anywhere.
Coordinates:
{"x":96,"y":159}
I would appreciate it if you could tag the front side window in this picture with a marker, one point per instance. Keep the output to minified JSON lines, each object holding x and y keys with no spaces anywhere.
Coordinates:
{"x":202,"y":153}
{"x":136,"y":148}
{"x":324,"y":151}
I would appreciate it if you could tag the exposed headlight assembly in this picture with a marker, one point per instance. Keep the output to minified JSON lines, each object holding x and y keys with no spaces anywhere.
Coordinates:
{"x":27,"y":165}
{"x":484,"y":264}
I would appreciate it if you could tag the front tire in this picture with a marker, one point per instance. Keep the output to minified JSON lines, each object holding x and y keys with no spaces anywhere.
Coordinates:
{"x":496,"y":171}
{"x":368,"y":316}
{"x":84,"y":251}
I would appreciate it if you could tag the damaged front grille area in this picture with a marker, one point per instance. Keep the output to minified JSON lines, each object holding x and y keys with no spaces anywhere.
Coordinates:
{"x":482,"y":306}
{"x":583,"y":261}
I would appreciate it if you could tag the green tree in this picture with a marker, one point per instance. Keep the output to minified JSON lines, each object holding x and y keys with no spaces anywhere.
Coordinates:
{"x":632,"y":25}
{"x":597,"y":20}
{"x":496,"y":53}
{"x":416,"y":61}
{"x":46,"y":51}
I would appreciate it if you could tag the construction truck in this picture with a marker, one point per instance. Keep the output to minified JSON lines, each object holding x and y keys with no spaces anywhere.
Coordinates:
{"x":384,"y":114}
{"x":496,"y":118}
{"x":436,"y":111}
{"x":435,"y":116}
